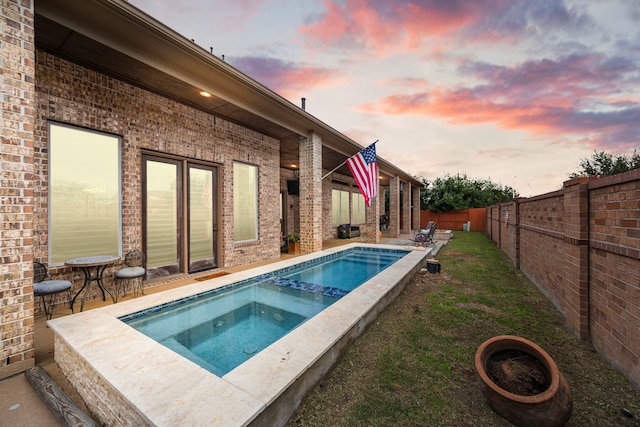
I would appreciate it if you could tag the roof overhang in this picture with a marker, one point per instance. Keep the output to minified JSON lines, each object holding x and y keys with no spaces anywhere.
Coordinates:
{"x":119,"y":39}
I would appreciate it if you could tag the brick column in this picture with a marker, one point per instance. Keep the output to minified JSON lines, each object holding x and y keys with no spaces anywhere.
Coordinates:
{"x":406,"y":208}
{"x":415,"y":194}
{"x":576,"y":255}
{"x":373,"y":219}
{"x":17,"y":80}
{"x":311,"y":194}
{"x":394,"y":206}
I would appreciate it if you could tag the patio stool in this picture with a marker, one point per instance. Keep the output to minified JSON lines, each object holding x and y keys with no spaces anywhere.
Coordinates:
{"x":134,"y":269}
{"x":42,"y":288}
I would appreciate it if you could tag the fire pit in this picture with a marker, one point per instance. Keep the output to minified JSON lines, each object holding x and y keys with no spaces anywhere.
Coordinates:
{"x":522,"y":382}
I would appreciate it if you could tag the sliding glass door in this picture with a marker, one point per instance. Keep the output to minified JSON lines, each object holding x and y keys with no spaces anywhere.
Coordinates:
{"x":179,"y":216}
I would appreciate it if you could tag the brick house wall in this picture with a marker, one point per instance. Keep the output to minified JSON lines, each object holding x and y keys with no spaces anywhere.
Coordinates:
{"x":581,"y":247}
{"x":72,"y":94}
{"x":16,"y":195}
{"x":341,"y":182}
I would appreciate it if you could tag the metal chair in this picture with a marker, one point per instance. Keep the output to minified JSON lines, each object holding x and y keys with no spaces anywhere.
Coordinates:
{"x":43,"y":287}
{"x":135,"y":261}
{"x":424,"y":237}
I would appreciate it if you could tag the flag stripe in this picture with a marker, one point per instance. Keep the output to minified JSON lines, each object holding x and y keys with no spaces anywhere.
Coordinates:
{"x":364,"y":168}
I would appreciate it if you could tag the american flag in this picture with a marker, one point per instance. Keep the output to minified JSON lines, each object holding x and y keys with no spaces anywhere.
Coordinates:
{"x":364,"y":168}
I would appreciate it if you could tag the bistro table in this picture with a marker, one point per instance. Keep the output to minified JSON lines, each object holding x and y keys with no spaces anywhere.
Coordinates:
{"x":100,"y":262}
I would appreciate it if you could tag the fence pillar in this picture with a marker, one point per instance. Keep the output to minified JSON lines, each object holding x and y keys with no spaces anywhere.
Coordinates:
{"x":576,"y":257}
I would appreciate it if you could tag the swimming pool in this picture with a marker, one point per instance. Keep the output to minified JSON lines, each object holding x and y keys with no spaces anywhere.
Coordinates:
{"x":224,"y":327}
{"x":126,"y":378}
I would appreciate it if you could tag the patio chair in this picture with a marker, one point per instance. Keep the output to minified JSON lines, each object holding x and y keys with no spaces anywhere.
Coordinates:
{"x":134,"y":271}
{"x":45,"y":287}
{"x":424,"y":237}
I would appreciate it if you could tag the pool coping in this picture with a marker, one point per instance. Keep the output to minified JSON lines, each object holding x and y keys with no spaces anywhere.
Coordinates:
{"x":127,"y":378}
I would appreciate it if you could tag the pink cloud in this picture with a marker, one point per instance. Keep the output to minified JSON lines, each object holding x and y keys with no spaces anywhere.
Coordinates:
{"x":383,"y":27}
{"x":577,"y":96}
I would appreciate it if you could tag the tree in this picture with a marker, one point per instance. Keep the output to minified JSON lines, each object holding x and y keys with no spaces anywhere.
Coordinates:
{"x":460,"y":192}
{"x":602,"y":163}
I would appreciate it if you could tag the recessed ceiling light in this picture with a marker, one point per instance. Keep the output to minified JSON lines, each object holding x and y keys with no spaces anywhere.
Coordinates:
{"x":205,"y":94}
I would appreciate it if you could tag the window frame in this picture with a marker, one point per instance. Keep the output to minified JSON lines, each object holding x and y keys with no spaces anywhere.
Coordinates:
{"x":358,"y":209}
{"x":340,"y":211}
{"x":256,"y":228}
{"x":117,"y":141}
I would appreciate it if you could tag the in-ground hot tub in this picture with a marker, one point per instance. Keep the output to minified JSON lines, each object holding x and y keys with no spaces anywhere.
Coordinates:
{"x":127,"y":378}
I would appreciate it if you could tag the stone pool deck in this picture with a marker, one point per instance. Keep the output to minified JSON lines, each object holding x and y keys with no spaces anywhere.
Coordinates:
{"x":22,"y":406}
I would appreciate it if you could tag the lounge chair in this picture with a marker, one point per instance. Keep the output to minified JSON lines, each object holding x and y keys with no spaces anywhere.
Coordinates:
{"x":424,"y":237}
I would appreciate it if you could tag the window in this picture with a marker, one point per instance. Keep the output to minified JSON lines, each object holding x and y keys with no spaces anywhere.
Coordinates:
{"x":162,"y":207}
{"x":84,"y":193}
{"x":245,"y":202}
{"x":339,"y":207}
{"x":358,"y":216}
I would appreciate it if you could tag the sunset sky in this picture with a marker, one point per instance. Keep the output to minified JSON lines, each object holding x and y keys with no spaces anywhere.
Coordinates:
{"x":515,"y":91}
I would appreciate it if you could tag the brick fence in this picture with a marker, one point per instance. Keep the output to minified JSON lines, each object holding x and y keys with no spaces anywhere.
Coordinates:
{"x":581,"y":247}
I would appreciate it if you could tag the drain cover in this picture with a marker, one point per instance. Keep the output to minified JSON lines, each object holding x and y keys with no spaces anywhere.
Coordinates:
{"x":250,"y":348}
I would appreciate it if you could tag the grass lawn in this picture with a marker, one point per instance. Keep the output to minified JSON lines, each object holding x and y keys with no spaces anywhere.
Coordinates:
{"x":415,"y":365}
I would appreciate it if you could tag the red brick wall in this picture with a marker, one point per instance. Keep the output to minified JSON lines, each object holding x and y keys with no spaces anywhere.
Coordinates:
{"x":493,"y":222}
{"x":581,"y":247}
{"x":507,"y":230}
{"x":540,"y":222}
{"x":614,"y":270}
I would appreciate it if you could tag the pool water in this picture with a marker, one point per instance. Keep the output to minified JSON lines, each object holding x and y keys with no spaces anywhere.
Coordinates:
{"x":230,"y":339}
{"x":348,"y":271}
{"x":222,"y":328}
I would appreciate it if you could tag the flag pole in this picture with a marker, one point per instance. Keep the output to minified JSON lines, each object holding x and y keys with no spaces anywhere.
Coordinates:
{"x":333,"y":170}
{"x":341,"y":164}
